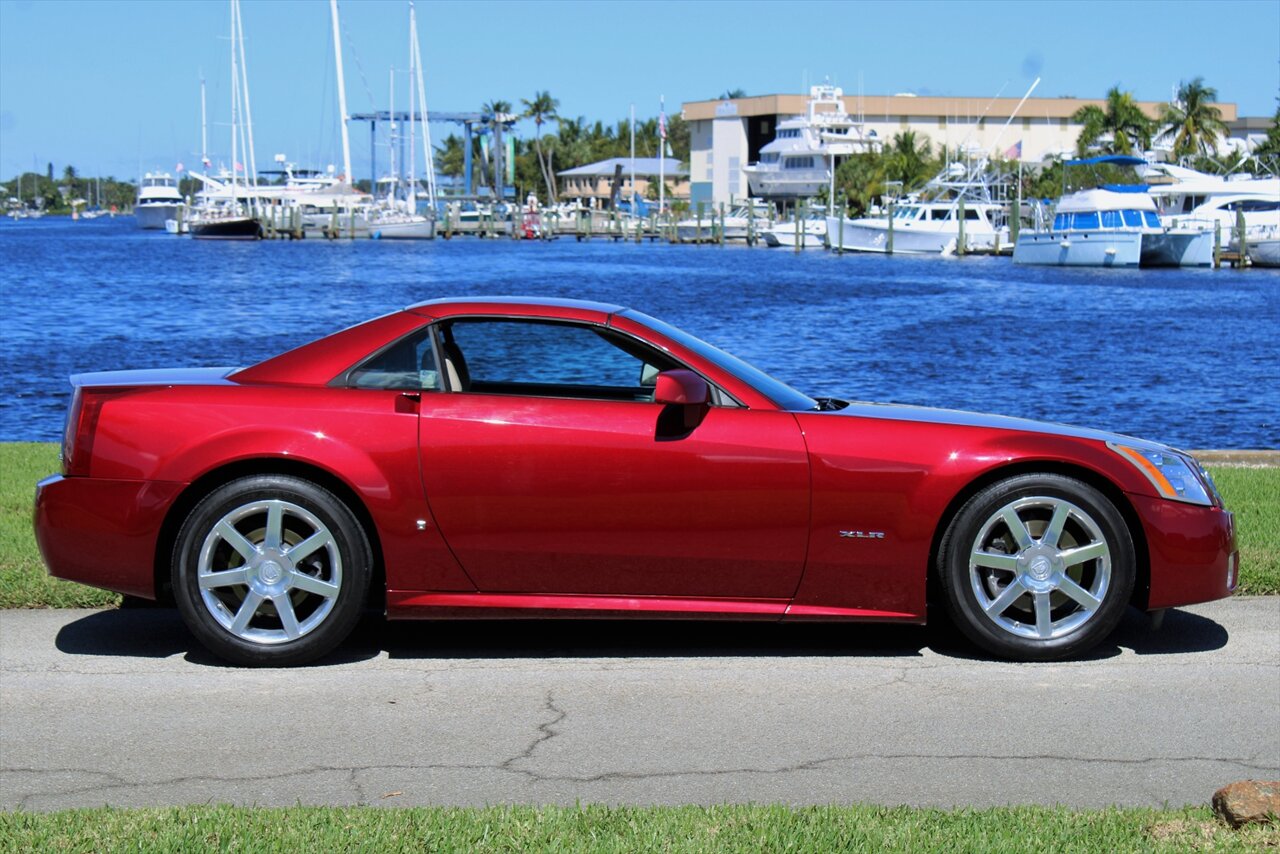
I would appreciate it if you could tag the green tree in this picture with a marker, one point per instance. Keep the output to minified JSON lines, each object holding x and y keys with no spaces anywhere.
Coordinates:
{"x":542,"y":109}
{"x":450,"y":156}
{"x":573,"y":142}
{"x":1268,"y":153}
{"x":1194,"y":124}
{"x":731,"y":94}
{"x":71,"y":181}
{"x":860,"y":179}
{"x":909,"y":160}
{"x":1122,"y":119}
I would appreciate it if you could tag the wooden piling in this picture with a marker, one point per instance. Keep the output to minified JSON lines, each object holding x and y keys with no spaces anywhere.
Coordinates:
{"x":1242,"y":243}
{"x":840,"y":212}
{"x":888,"y":246}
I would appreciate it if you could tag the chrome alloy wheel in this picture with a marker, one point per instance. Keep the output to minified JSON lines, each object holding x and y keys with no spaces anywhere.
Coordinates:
{"x":1040,"y":567}
{"x":269,"y":572}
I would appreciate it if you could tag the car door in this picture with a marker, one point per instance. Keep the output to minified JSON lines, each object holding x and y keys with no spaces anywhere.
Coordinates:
{"x":550,"y":470}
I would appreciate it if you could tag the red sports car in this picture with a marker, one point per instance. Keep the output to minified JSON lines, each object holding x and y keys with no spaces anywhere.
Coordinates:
{"x":518,"y":457}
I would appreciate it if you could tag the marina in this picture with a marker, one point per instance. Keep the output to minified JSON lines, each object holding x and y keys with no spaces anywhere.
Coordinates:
{"x":1173,"y":354}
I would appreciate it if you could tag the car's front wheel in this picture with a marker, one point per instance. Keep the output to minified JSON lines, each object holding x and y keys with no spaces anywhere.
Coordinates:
{"x":1037,"y":567}
{"x":271,"y":570}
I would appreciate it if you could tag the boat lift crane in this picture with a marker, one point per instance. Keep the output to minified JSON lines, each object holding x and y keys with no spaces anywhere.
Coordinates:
{"x":469,"y":121}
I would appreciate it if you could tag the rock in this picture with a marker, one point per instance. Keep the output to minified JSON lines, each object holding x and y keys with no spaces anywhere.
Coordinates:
{"x":1248,"y":802}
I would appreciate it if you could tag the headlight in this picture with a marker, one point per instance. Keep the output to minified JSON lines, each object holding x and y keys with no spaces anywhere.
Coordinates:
{"x":1174,"y":475}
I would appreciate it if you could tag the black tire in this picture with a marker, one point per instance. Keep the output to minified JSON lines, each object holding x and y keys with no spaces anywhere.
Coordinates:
{"x":1046,"y":592}
{"x":252,"y":530}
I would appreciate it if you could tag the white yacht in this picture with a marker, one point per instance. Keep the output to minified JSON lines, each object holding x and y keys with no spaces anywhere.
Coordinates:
{"x":1095,"y":228}
{"x":798,"y":162}
{"x":158,"y":200}
{"x":960,"y":203}
{"x":1195,"y":208}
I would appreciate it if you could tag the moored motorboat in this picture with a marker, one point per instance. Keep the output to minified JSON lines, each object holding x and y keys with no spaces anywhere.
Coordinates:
{"x":809,"y":233}
{"x":158,"y":200}
{"x":1261,"y":245}
{"x":797,"y":163}
{"x":1092,"y":228}
{"x":745,"y":222}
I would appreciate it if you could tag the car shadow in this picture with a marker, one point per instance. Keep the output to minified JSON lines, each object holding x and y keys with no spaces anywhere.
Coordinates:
{"x":160,"y":633}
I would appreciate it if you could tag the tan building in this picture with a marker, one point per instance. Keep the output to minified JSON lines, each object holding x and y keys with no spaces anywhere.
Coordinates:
{"x":595,"y":180}
{"x":727,"y":135}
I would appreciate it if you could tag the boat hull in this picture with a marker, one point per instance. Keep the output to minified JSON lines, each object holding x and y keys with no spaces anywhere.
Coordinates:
{"x":1265,"y":253}
{"x":812,"y":236}
{"x":873,"y":236}
{"x":418,"y":230}
{"x":695,"y":234}
{"x":1079,"y":249}
{"x":1177,"y":248}
{"x":152,"y":216}
{"x":237,"y":228}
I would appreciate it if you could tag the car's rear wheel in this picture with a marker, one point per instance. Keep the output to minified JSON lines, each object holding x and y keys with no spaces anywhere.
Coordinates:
{"x":1037,"y":567}
{"x":271,"y":570}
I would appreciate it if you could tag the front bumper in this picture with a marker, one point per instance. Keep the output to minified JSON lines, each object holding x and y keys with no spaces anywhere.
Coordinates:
{"x":102,"y":532}
{"x":1192,"y":551}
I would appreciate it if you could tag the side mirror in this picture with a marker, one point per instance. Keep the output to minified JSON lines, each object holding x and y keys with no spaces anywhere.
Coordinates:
{"x":681,"y":388}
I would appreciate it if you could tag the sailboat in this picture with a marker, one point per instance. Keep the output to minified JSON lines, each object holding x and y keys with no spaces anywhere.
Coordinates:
{"x":233,"y":220}
{"x":398,"y":219}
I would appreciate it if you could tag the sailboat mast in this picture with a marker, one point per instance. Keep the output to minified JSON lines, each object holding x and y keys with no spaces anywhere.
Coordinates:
{"x":413,"y":126}
{"x":392,"y":138}
{"x":204,"y":129}
{"x":252,"y":176}
{"x":427,"y":157}
{"x":235,"y":104}
{"x":342,"y":93}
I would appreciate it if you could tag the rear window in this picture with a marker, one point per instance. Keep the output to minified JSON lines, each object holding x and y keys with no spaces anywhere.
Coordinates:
{"x":407,"y":365}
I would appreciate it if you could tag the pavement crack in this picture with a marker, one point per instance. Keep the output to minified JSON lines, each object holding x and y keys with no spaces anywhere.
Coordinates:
{"x":817,"y":764}
{"x":545,"y":734}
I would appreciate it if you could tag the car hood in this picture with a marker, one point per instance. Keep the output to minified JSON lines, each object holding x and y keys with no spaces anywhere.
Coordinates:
{"x":930,"y":415}
{"x":154,"y":376}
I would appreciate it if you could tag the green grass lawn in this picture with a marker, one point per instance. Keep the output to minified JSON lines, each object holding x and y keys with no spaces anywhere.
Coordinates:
{"x":1253,"y":493}
{"x":744,"y":828}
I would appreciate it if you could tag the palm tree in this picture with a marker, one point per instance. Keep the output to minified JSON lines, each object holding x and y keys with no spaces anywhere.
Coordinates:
{"x":1122,"y":118}
{"x":491,"y":110}
{"x":542,"y":109}
{"x":1192,"y":120}
{"x":907,"y":160}
{"x":495,"y":107}
{"x":732,"y":94}
{"x":574,"y":146}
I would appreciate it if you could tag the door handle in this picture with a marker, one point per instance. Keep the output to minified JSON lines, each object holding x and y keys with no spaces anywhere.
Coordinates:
{"x":407,"y":402}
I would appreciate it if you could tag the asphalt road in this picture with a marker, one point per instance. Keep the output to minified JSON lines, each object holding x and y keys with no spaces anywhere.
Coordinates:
{"x":117,"y":707}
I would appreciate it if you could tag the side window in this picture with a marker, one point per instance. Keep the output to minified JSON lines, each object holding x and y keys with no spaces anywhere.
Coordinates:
{"x":409,"y":365}
{"x":549,"y":359}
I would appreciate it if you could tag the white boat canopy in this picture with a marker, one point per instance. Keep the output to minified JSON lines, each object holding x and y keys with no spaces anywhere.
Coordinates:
{"x":1105,"y":200}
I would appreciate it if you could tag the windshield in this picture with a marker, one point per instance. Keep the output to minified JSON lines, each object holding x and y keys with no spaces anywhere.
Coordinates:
{"x":779,"y":392}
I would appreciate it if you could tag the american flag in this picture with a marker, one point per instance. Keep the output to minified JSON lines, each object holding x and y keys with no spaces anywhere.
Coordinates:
{"x":1014,"y":152}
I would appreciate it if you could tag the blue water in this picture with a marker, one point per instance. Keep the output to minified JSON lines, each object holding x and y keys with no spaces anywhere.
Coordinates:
{"x":1187,"y":357}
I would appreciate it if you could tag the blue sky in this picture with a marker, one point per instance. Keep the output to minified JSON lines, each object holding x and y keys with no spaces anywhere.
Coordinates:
{"x":112,"y":85}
